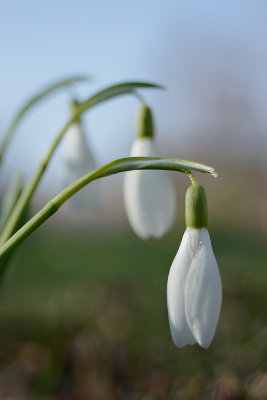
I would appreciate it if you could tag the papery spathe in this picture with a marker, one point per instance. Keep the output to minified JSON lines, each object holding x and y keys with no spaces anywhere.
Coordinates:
{"x":149,"y":196}
{"x":194,"y":290}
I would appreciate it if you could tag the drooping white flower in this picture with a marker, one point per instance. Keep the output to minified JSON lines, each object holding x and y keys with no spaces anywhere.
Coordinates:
{"x":79,"y":160}
{"x":194,"y":290}
{"x":149,"y":196}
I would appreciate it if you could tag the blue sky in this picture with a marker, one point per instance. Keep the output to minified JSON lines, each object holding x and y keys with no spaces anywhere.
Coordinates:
{"x":190,"y":47}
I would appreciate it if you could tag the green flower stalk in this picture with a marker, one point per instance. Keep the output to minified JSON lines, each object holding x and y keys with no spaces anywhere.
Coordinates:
{"x":117,"y":166}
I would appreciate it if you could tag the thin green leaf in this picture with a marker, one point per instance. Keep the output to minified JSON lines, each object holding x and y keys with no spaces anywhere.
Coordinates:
{"x":62,"y":83}
{"x":10,"y":199}
{"x":48,"y":90}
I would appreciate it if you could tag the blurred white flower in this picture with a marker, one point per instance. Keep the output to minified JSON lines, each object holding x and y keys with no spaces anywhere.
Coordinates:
{"x":79,"y":160}
{"x":148,"y":195}
{"x":194,"y":290}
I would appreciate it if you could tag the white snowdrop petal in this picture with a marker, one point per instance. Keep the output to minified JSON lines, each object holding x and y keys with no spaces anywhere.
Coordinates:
{"x":78,"y":160}
{"x":149,"y":196}
{"x":150,"y":202}
{"x":203,"y":292}
{"x":180,"y":330}
{"x":143,"y":148}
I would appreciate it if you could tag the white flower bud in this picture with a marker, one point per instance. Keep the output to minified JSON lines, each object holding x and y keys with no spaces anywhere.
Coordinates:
{"x":149,"y":196}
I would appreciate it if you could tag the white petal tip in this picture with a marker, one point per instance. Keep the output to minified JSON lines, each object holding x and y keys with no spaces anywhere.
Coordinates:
{"x":204,"y":344}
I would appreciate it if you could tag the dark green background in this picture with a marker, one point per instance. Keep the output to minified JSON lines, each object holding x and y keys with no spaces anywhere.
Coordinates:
{"x":84,"y":317}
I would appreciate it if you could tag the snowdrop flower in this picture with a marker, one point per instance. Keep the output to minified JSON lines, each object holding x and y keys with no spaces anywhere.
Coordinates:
{"x":194,"y":290}
{"x":79,"y":160}
{"x":149,"y":196}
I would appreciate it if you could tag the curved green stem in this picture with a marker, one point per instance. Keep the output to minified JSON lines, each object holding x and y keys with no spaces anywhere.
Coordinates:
{"x":10,"y":199}
{"x":114,"y":167}
{"x":97,"y":98}
{"x":193,"y":178}
{"x":140,"y":98}
{"x":114,"y":91}
{"x":27,"y":193}
{"x":30,"y":103}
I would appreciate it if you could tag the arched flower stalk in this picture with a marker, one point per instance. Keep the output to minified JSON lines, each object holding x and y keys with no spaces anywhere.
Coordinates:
{"x":117,"y":166}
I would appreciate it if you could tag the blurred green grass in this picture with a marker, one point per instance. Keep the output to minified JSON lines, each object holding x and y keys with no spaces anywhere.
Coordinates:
{"x":86,"y":318}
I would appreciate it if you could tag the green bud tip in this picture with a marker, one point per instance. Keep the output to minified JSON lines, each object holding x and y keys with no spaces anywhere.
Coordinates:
{"x":145,"y":126}
{"x":196,"y":209}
